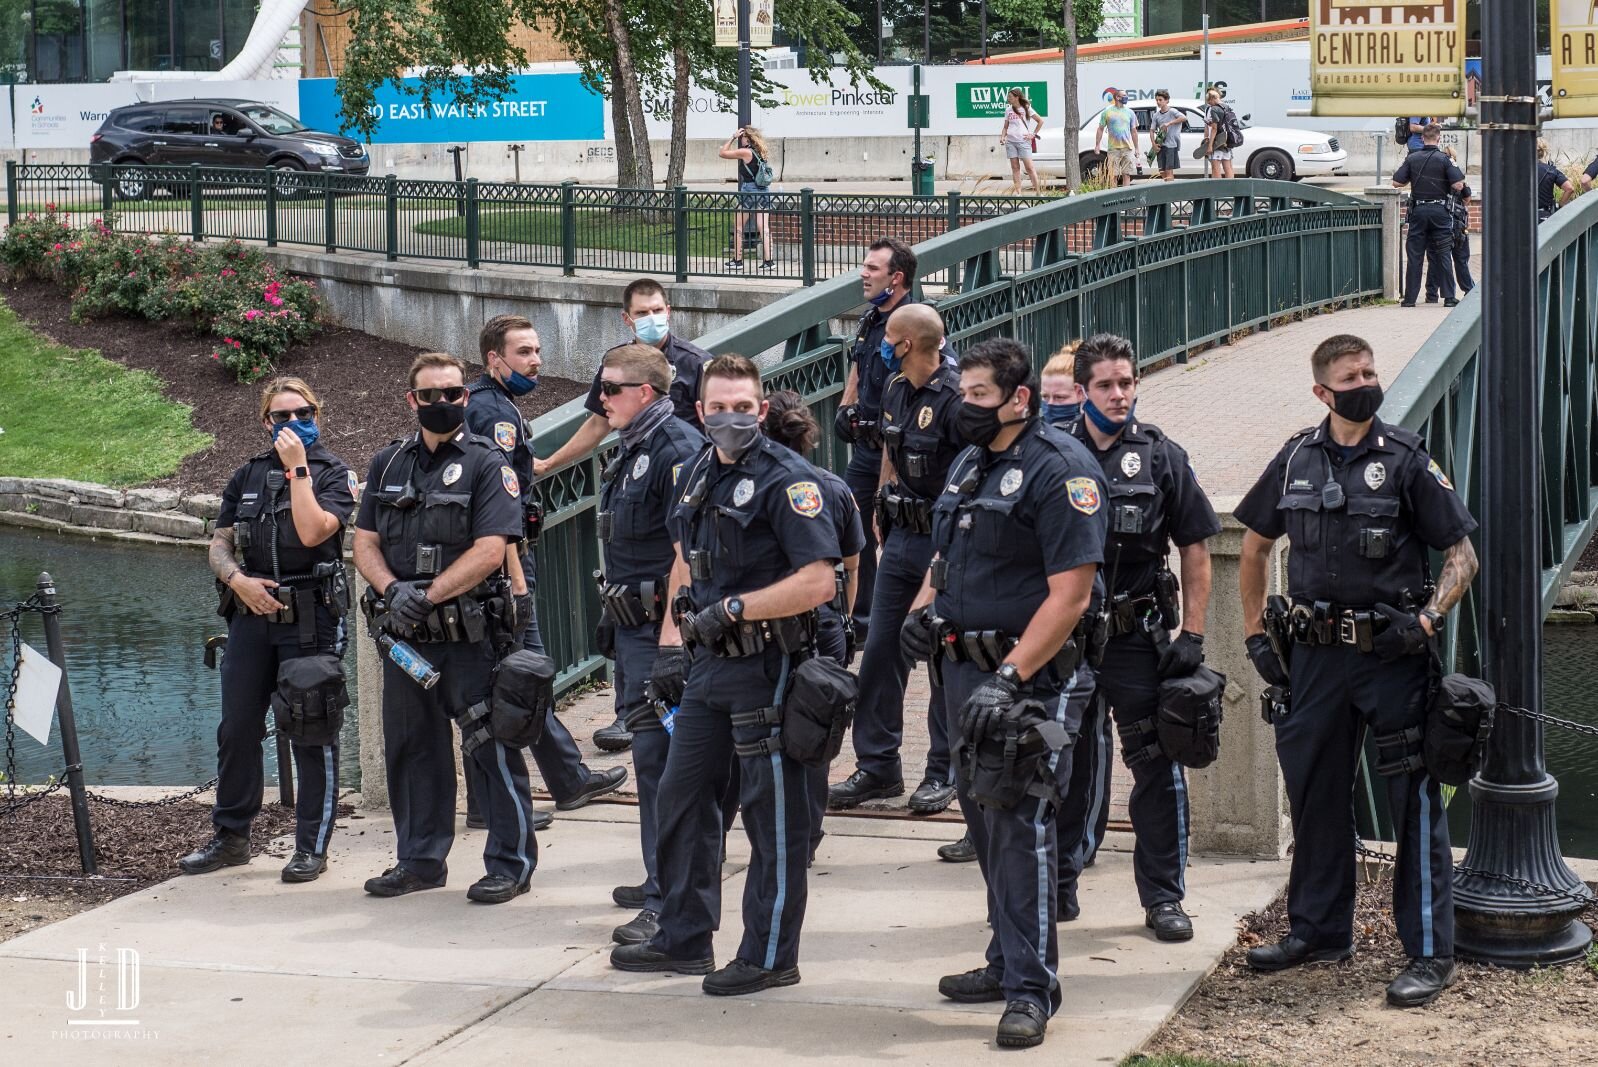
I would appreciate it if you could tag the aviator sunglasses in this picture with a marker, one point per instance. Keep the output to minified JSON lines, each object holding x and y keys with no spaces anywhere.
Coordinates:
{"x":450,"y":393}
{"x":612,"y":388}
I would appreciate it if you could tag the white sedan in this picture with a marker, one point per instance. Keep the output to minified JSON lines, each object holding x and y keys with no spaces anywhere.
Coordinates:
{"x":1271,"y":152}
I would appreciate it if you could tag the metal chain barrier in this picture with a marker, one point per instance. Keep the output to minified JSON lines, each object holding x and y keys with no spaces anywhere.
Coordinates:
{"x":1586,"y":729}
{"x":113,"y":802}
{"x":1585,"y":897}
{"x":16,"y":797}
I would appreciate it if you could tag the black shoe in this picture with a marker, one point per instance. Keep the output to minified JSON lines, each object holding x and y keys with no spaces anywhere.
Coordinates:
{"x":599,"y":783}
{"x":645,"y":925}
{"x":1450,"y":303}
{"x":1422,"y":982}
{"x":1169,"y":922}
{"x":1022,"y":1026}
{"x":973,"y":987}
{"x":860,"y":787}
{"x":1066,"y":908}
{"x":496,"y":889}
{"x":741,"y":976}
{"x":304,"y":867}
{"x":1431,"y":300}
{"x":630,"y":897}
{"x":768,"y":265}
{"x":613,"y":738}
{"x":1290,"y":952}
{"x":734,"y":264}
{"x":1406,"y":303}
{"x":225,"y":849}
{"x":475,"y":821}
{"x":643,"y":958}
{"x":542,"y":820}
{"x":961,"y":851}
{"x":931,"y":797}
{"x":397,"y":881}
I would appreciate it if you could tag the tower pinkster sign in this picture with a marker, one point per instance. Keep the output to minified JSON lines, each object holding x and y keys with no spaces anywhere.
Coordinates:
{"x":1387,"y":59}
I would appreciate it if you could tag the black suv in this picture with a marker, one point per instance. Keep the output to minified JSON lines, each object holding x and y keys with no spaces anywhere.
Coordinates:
{"x":218,"y":133}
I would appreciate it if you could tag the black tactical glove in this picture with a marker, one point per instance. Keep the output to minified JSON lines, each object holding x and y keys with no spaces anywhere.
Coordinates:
{"x":915,"y":636}
{"x":407,"y":601}
{"x":709,"y":625}
{"x":524,"y":612}
{"x":843,"y":422}
{"x":1404,"y":635}
{"x":987,"y":702}
{"x":1183,"y":656}
{"x":605,"y":638}
{"x":1265,"y":662}
{"x":668,"y":676}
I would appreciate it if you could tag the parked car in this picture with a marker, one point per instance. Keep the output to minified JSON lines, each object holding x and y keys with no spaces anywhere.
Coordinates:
{"x":1274,"y":152}
{"x":218,"y":133}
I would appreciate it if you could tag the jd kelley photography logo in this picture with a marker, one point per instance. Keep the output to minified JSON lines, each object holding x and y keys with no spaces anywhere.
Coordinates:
{"x":103,"y":1005}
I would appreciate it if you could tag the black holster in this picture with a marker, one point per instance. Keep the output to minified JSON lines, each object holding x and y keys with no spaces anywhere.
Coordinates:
{"x":1011,"y":762}
{"x":1188,"y":722}
{"x":1459,"y":722}
{"x":633,"y":605}
{"x":814,"y":714}
{"x":308,"y":704}
{"x":519,"y":706}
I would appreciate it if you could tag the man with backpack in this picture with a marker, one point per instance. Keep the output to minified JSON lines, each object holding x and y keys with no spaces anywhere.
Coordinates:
{"x":1222,"y":133}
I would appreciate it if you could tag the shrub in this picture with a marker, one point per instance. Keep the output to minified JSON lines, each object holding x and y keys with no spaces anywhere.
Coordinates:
{"x":26,"y":250}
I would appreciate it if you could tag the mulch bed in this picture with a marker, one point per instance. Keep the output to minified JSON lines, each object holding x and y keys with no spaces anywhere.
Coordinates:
{"x":360,"y":379}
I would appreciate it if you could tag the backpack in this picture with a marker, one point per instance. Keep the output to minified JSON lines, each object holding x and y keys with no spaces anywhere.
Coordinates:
{"x":1401,"y":131}
{"x":763,"y":173}
{"x":1233,"y":128}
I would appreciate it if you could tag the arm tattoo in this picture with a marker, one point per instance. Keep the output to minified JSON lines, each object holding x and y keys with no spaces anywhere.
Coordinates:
{"x":1459,"y":567}
{"x":221,"y":553}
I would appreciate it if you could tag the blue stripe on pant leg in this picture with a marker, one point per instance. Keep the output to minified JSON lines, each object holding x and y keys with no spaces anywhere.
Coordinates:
{"x":781,"y":816}
{"x":521,"y":816}
{"x":1425,"y":849}
{"x":1180,"y":784}
{"x":1097,"y":795}
{"x":329,"y":778}
{"x":1046,"y":891}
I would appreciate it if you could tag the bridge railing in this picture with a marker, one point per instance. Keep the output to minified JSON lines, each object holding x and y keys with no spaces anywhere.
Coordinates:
{"x":1172,"y":266}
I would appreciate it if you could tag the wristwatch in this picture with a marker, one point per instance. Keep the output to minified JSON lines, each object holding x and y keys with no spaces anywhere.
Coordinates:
{"x":1436,"y":618}
{"x":735,"y":608}
{"x":1010,"y":673}
{"x":301,"y":471}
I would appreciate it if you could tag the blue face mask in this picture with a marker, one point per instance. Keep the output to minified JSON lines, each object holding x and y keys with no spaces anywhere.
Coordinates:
{"x":651,"y":329}
{"x":1054,"y":414}
{"x":517,"y":384}
{"x":306,"y":429}
{"x":882,"y":297}
{"x":1104,"y":423}
{"x":889,"y":355}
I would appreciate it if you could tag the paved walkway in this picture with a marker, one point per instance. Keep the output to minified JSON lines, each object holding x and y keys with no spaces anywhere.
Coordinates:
{"x":237,"y":968}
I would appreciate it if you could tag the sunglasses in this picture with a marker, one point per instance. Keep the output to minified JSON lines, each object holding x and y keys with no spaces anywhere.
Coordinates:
{"x":449,"y":393}
{"x":280,"y":417}
{"x":612,"y":388}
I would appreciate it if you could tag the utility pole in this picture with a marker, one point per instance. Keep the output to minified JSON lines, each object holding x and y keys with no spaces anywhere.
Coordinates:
{"x":746,"y":108}
{"x":1512,"y":829}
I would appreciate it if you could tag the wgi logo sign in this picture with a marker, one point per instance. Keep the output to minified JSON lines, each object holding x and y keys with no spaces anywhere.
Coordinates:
{"x":105,"y":997}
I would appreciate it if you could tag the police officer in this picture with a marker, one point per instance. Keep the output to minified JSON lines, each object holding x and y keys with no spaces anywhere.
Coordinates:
{"x":887,"y":277}
{"x":1430,"y":176}
{"x":756,"y":549}
{"x":921,"y":439}
{"x":277,"y":555}
{"x":509,"y":348}
{"x":1551,"y":183}
{"x":1361,"y":503}
{"x":647,"y":315}
{"x":790,"y":423}
{"x":638,"y":491}
{"x":1019,"y":536}
{"x":1154,"y":501}
{"x":440,"y":510}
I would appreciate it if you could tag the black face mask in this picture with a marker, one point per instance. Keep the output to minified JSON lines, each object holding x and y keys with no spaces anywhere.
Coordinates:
{"x":442,"y":417}
{"x":978,"y":425}
{"x":1358,"y":404}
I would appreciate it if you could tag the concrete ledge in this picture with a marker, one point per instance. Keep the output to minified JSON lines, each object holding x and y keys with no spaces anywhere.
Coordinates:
{"x":151,"y":516}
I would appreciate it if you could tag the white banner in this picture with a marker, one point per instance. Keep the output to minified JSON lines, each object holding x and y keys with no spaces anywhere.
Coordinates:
{"x":66,"y":116}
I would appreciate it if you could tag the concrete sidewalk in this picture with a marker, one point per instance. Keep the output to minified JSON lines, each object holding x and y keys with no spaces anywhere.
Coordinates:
{"x":237,"y":968}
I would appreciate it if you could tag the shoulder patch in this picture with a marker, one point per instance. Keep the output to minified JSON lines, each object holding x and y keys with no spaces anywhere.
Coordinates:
{"x":676,"y":472}
{"x":508,"y":479}
{"x":1084,"y":495}
{"x":805,"y":498}
{"x":355,"y":485}
{"x":505,"y":435}
{"x":1437,"y":472}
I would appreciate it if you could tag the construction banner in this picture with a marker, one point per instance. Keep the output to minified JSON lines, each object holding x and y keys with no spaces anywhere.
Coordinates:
{"x":1376,"y":60}
{"x":1575,"y":58}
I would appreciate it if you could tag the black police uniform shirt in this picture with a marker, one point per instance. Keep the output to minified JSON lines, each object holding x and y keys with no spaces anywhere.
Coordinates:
{"x":638,"y":497}
{"x":247,"y":499}
{"x":920,"y":432}
{"x":1428,"y":173}
{"x":687,"y":360}
{"x":867,"y":355}
{"x":1036,"y":509}
{"x":760,"y":519}
{"x":465,"y":490}
{"x":1549,"y":178}
{"x":1146,"y":470}
{"x":492,"y":414}
{"x":1365,"y":541}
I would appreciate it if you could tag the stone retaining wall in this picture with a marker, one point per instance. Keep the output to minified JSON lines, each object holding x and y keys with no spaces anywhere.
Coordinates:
{"x":153,"y":516}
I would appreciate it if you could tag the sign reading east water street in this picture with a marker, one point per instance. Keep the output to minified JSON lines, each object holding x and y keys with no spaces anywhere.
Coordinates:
{"x":538,"y":107}
{"x":1387,"y":59}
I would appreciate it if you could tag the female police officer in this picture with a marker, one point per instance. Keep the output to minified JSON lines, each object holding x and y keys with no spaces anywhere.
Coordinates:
{"x":276,"y":554}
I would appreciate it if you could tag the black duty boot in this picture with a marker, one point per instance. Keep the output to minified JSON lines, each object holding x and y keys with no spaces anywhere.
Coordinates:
{"x":1422,"y":982}
{"x":630,"y":897}
{"x":1066,"y":908}
{"x":860,"y":787}
{"x":643,"y":958}
{"x":1290,"y":952}
{"x":740,"y":977}
{"x":397,"y":881}
{"x":304,"y":867}
{"x":599,"y":783}
{"x":542,"y":820}
{"x":973,"y":987}
{"x":961,"y":851}
{"x":931,"y":797}
{"x":613,"y":738}
{"x":225,"y":849}
{"x":645,"y":925}
{"x":1169,"y":922}
{"x":1022,"y":1026}
{"x":496,"y":889}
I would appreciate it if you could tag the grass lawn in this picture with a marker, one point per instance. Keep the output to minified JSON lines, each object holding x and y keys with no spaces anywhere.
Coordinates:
{"x":71,"y":413}
{"x":596,"y":228}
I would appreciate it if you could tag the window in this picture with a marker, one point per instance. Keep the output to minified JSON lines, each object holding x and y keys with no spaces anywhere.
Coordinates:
{"x":143,"y":121}
{"x":271,"y":119}
{"x":186,"y":121}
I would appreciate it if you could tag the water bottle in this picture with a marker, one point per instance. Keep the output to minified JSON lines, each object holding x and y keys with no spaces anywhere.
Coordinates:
{"x":408,"y":660}
{"x":669,"y":719}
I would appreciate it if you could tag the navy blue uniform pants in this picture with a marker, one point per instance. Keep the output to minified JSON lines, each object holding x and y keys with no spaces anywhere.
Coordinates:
{"x":884,"y":670}
{"x":419,"y":755}
{"x":636,"y":647}
{"x":830,"y":642}
{"x":256,"y":647}
{"x":861,"y":478}
{"x":1337,"y":692}
{"x":1017,"y":848}
{"x":1085,"y":811}
{"x":776,"y":817}
{"x":1129,"y":682}
{"x":1460,"y":250}
{"x":1431,"y":238}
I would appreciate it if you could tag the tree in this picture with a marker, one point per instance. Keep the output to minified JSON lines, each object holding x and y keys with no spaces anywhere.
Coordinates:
{"x":1064,"y":22}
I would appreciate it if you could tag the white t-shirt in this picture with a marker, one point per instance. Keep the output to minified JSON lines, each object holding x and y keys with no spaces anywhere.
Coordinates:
{"x":1018,"y":126}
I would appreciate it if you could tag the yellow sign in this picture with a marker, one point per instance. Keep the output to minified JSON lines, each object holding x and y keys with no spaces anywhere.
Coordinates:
{"x":1380,"y":60}
{"x":762,"y":17}
{"x":726,"y":16}
{"x":1575,"y":48}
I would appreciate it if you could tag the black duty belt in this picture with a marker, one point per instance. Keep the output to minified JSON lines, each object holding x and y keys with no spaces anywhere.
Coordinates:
{"x":1124,"y":616}
{"x":632,"y":605}
{"x":1421,"y":203}
{"x":473,"y":616}
{"x":987,"y":649}
{"x":907,"y":512}
{"x":792,"y":633}
{"x":1324,"y":623}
